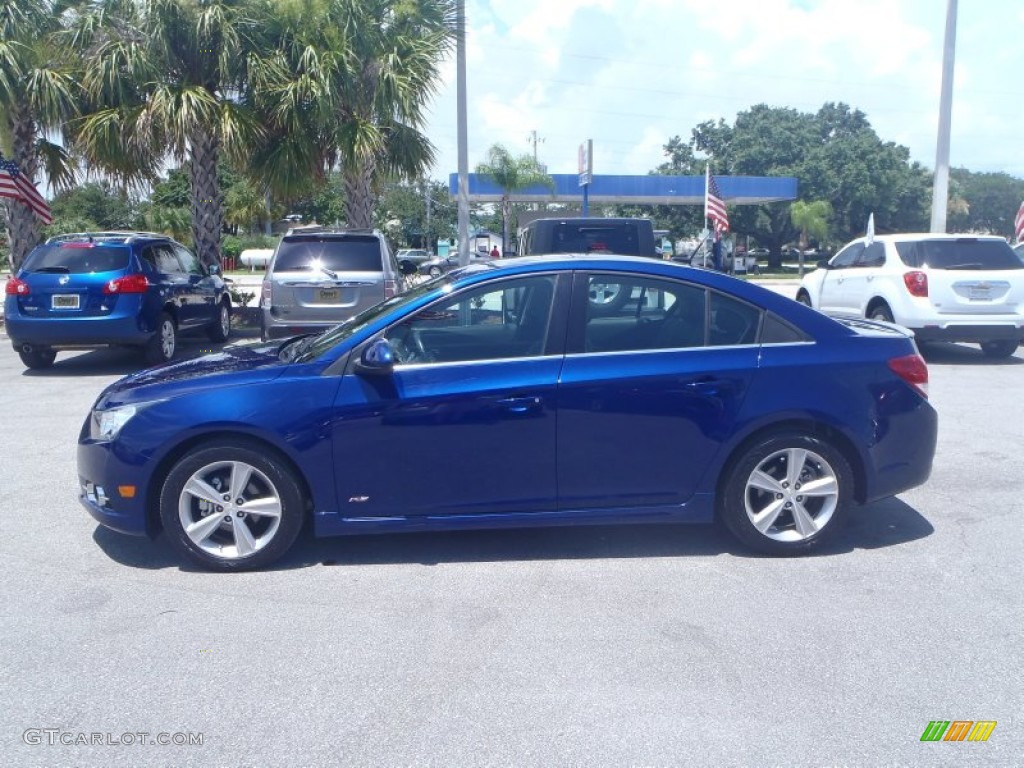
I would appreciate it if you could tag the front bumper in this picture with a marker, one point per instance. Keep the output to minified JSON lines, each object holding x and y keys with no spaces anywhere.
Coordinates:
{"x":102,"y":479}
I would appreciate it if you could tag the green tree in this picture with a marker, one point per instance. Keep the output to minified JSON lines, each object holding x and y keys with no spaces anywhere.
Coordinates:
{"x":167,"y":79}
{"x":99,"y":203}
{"x":989,"y":202}
{"x":512,"y":174}
{"x":407,"y":204}
{"x":350,"y":85}
{"x":811,"y":219}
{"x":36,"y":99}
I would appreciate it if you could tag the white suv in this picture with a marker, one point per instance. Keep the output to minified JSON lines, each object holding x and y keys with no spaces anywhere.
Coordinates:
{"x":943,"y":287}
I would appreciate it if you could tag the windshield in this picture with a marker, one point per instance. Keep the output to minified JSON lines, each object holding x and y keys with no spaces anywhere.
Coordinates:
{"x":330,"y":338}
{"x":338,"y":253}
{"x":962,"y":253}
{"x":76,"y":259}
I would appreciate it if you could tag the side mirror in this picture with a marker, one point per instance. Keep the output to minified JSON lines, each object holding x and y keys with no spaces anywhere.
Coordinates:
{"x":214,"y":270}
{"x":823,"y":264}
{"x":378,"y":358}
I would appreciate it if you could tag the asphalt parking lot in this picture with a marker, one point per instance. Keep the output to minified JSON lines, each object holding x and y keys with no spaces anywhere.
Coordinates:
{"x":623,"y":646}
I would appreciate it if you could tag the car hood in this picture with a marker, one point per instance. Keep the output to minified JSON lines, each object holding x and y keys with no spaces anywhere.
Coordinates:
{"x":231,"y":367}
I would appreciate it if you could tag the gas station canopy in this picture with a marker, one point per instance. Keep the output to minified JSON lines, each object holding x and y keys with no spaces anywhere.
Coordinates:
{"x":626,"y":190}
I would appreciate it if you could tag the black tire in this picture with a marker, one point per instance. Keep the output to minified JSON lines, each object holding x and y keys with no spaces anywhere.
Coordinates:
{"x":220,"y":328}
{"x":997,"y":350}
{"x":605,"y":299}
{"x":881,"y":312}
{"x":435,"y":271}
{"x":221,"y":548}
{"x":804,"y":298}
{"x":164,"y":342}
{"x":791,"y":522}
{"x":37,"y":357}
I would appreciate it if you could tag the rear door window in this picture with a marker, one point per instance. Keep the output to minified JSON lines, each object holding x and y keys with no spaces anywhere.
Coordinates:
{"x":76,"y":259}
{"x":351,"y":253}
{"x":962,"y":253}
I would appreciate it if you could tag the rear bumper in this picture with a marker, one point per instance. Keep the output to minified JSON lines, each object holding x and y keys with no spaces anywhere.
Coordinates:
{"x":74,"y":332}
{"x":953,"y":331}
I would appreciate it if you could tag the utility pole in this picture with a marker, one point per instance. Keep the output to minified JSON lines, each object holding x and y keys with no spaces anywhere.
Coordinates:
{"x":940,"y":190}
{"x":460,"y":84}
{"x":535,"y":140}
{"x":427,"y":239}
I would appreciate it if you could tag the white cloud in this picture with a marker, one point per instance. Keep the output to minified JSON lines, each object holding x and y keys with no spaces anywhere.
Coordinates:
{"x":631,"y":75}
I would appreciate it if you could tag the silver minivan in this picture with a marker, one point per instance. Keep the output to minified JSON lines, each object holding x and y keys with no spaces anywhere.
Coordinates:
{"x":319,"y":276}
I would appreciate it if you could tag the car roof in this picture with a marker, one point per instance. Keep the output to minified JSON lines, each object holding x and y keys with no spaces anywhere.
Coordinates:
{"x":902,"y":237}
{"x":107,"y":238}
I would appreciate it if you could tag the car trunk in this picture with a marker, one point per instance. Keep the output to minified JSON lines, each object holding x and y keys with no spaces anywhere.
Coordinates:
{"x":69,"y":280}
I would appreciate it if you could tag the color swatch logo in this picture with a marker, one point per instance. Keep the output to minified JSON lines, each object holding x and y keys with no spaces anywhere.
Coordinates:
{"x":958,"y":730}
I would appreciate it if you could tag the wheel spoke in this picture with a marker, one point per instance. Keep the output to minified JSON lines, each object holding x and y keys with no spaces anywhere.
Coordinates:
{"x":764,"y":482}
{"x":766,"y":518}
{"x":201,"y":490}
{"x":796,"y":458}
{"x":245,"y":544}
{"x":822,"y":486}
{"x":240,"y":474}
{"x":805,"y":524}
{"x":201,"y":529}
{"x":269,"y":506}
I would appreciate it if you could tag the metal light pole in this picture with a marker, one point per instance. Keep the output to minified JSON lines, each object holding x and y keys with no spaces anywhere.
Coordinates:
{"x":940,"y":190}
{"x":460,"y":84}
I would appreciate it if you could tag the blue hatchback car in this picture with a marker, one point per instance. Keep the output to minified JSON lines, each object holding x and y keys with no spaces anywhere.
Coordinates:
{"x":93,"y":289}
{"x":574,"y":390}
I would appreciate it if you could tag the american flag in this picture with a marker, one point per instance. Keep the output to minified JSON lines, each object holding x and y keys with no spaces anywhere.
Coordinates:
{"x":714,"y":205}
{"x":15,"y":185}
{"x":1018,"y":224}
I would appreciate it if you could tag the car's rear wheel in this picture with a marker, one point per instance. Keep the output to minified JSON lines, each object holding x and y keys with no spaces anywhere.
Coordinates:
{"x":230,"y":506}
{"x":880,"y":312}
{"x":435,"y":271}
{"x":37,"y":357}
{"x":786,"y":493}
{"x":220,"y":328}
{"x":995,"y":349}
{"x":163,"y":343}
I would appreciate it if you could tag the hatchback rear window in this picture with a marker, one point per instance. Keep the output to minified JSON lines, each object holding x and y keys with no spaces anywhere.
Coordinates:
{"x":353,"y":253}
{"x":76,"y":259}
{"x":965,"y":253}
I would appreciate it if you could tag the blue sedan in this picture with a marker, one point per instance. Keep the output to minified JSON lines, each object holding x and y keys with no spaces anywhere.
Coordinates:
{"x":576,"y":390}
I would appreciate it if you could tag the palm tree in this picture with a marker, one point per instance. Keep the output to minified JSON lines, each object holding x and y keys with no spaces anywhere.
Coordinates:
{"x":512,"y":174}
{"x":36,"y":99}
{"x":812,"y":221}
{"x":352,"y":81}
{"x":166,"y":79}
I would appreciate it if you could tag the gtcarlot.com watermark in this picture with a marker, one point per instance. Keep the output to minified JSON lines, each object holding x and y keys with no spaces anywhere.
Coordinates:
{"x":58,"y":736}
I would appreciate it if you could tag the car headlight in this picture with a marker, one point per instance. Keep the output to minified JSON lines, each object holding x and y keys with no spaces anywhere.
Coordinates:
{"x":104,"y":425}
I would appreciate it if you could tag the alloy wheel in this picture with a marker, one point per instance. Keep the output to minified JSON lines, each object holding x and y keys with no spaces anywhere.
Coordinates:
{"x":791,"y":495}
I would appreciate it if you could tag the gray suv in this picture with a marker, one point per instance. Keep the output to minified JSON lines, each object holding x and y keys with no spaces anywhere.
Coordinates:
{"x":319,"y":276}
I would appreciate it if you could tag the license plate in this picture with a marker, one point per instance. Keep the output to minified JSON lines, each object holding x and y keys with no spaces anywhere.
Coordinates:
{"x":328,"y":295}
{"x":65,"y":301}
{"x":976,"y":292}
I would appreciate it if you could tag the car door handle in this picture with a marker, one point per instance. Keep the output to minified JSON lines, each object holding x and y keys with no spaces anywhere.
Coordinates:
{"x":709,"y":386}
{"x":519,"y":404}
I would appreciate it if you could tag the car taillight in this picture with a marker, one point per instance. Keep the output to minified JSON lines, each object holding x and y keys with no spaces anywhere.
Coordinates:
{"x":917,"y":283}
{"x":265,"y":294}
{"x":16,"y":287}
{"x":128,"y":284}
{"x":913,"y":370}
{"x":390,"y":288}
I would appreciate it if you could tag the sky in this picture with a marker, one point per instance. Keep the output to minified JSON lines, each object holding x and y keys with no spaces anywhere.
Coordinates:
{"x":631,"y":74}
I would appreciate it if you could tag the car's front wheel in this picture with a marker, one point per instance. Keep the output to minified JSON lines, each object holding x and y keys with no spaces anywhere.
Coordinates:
{"x":999,"y":349}
{"x":220,"y":328}
{"x":37,"y":357}
{"x":230,"y":506}
{"x":786,"y":493}
{"x":163,"y":343}
{"x":804,"y":298}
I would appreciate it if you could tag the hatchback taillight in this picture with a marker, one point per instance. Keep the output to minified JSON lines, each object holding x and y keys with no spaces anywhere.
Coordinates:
{"x":913,"y":370}
{"x":16,"y":287}
{"x":390,"y":288}
{"x":128,"y":284}
{"x":917,"y":283}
